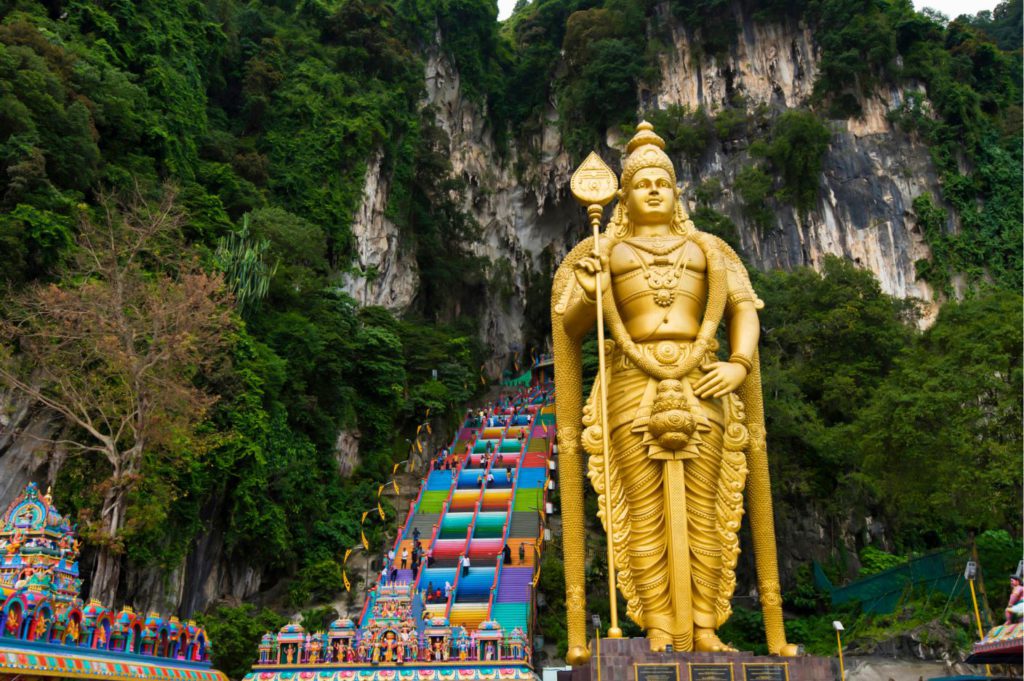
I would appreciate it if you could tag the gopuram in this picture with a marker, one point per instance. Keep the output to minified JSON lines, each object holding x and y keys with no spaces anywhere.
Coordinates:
{"x":672,"y":429}
{"x":47,"y":631}
{"x":455,"y":598}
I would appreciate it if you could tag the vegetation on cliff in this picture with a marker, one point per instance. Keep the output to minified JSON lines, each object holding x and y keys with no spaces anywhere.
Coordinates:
{"x":263,"y":116}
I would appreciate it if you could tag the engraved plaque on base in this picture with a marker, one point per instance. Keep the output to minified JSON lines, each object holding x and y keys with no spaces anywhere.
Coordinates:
{"x":776,"y":671}
{"x":656,"y":672}
{"x":710,"y":671}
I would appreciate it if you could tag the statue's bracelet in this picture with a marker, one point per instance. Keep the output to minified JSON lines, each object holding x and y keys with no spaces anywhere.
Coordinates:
{"x":742,"y":360}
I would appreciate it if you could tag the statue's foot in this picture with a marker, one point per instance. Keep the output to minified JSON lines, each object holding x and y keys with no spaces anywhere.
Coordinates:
{"x":707,"y":641}
{"x":577,"y":655}
{"x":789,"y":650}
{"x":658,"y":639}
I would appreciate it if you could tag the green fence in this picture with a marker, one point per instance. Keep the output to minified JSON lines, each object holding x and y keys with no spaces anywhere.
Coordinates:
{"x":882,"y":592}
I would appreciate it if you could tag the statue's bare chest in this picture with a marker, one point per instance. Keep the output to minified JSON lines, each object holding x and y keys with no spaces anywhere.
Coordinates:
{"x":660,"y":286}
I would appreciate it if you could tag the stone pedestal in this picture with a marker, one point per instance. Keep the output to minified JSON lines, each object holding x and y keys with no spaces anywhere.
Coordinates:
{"x":630,"y":659}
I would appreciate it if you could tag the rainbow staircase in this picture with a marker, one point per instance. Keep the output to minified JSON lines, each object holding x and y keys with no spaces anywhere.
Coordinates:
{"x":459,"y":513}
{"x":489,"y":507}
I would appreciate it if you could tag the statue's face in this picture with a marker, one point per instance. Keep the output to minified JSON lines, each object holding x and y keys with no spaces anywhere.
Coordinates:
{"x":652,"y":197}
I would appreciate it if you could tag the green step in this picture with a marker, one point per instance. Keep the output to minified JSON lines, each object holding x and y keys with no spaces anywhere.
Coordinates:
{"x":433,"y":501}
{"x":511,"y":615}
{"x":455,"y":525}
{"x":528,"y":499}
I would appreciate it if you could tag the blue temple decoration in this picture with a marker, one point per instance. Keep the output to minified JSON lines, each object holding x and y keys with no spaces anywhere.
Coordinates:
{"x":46,"y":628}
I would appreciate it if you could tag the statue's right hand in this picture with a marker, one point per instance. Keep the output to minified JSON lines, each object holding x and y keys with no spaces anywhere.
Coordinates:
{"x":586,"y":274}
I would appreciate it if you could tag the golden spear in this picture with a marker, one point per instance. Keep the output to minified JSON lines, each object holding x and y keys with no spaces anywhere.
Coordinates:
{"x":594,"y":185}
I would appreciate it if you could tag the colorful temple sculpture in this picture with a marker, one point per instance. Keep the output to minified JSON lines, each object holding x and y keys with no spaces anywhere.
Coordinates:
{"x":45,"y":628}
{"x":456,"y":597}
{"x":1003,"y":644}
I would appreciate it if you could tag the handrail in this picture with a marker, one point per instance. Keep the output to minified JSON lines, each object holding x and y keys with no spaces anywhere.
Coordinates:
{"x":497,"y":582}
{"x":451,"y":596}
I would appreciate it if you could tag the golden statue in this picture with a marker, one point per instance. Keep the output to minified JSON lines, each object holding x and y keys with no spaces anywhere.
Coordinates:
{"x":683,"y":428}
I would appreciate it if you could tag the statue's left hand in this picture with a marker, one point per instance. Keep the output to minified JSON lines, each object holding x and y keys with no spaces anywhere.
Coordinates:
{"x":722,"y":379}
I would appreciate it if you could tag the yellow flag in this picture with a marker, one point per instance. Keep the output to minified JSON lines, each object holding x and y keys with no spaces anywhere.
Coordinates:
{"x":418,"y":429}
{"x":363,"y":520}
{"x":344,"y":578}
{"x":483,"y":381}
{"x":429,"y":430}
{"x":380,"y":490}
{"x":428,"y":413}
{"x":380,"y":509}
{"x":366,"y":544}
{"x":394,"y":483}
{"x":419,"y":446}
{"x":348,"y":552}
{"x":394,"y":469}
{"x":536,"y":577}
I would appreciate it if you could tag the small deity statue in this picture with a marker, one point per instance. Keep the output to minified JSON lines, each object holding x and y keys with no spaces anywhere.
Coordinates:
{"x":489,"y":651}
{"x":1015,"y":606}
{"x":289,"y":654}
{"x":101,"y":637}
{"x":683,"y":426}
{"x":72,"y":631}
{"x":12,"y":623}
{"x":414,"y":648}
{"x":40,"y":627}
{"x":446,"y":648}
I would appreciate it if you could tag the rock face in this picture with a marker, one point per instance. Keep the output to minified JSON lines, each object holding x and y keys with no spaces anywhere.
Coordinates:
{"x":871,"y":174}
{"x":386,"y":274}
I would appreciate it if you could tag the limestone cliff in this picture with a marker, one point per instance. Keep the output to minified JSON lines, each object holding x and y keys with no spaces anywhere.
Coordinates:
{"x":871,"y":171}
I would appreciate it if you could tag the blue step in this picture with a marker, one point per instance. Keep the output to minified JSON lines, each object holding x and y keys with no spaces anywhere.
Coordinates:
{"x":531,"y":478}
{"x":439,"y":480}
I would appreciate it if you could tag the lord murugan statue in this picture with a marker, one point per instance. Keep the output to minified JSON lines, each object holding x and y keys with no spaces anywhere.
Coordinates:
{"x":677,"y":434}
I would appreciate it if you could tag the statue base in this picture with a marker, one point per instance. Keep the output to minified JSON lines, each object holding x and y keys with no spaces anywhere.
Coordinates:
{"x":631,"y":659}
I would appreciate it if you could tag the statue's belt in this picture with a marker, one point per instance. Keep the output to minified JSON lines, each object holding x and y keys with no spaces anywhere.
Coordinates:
{"x":666,"y":353}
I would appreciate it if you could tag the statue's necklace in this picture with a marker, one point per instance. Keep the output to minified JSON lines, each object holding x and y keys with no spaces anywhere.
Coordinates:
{"x":656,"y":245}
{"x":662,"y":274}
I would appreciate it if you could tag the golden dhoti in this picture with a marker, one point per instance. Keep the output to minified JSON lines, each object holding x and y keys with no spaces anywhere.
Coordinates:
{"x":673,"y":500}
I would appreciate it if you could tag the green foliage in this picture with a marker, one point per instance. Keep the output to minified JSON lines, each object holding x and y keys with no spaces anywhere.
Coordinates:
{"x":971,"y":122}
{"x":754,"y":187}
{"x":605,"y":59}
{"x":316,"y":582}
{"x":551,"y":618}
{"x":999,"y":554}
{"x":951,"y":407}
{"x":246,"y":273}
{"x":685,"y":133}
{"x":874,"y":560}
{"x":795,"y":147}
{"x":235,"y":634}
{"x":828,"y":340}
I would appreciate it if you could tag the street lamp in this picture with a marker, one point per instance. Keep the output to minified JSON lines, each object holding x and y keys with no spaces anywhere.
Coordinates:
{"x":970,"y":573}
{"x":838,"y":626}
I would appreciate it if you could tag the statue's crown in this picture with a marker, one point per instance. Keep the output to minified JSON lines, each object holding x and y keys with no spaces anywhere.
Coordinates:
{"x":644,"y":135}
{"x":645,"y":150}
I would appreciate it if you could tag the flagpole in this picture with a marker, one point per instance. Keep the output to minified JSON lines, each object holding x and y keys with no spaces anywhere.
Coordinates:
{"x":594,"y":212}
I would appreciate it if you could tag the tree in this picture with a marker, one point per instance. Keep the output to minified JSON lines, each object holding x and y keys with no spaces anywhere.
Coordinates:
{"x":114,"y":349}
{"x":941,"y":437}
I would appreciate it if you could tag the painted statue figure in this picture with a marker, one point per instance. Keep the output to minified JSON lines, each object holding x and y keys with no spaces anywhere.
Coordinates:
{"x":684,"y":427}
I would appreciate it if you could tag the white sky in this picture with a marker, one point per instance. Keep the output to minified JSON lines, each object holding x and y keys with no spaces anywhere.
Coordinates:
{"x":951,"y":8}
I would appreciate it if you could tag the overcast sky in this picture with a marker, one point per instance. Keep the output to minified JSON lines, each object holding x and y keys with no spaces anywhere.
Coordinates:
{"x":951,"y":8}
